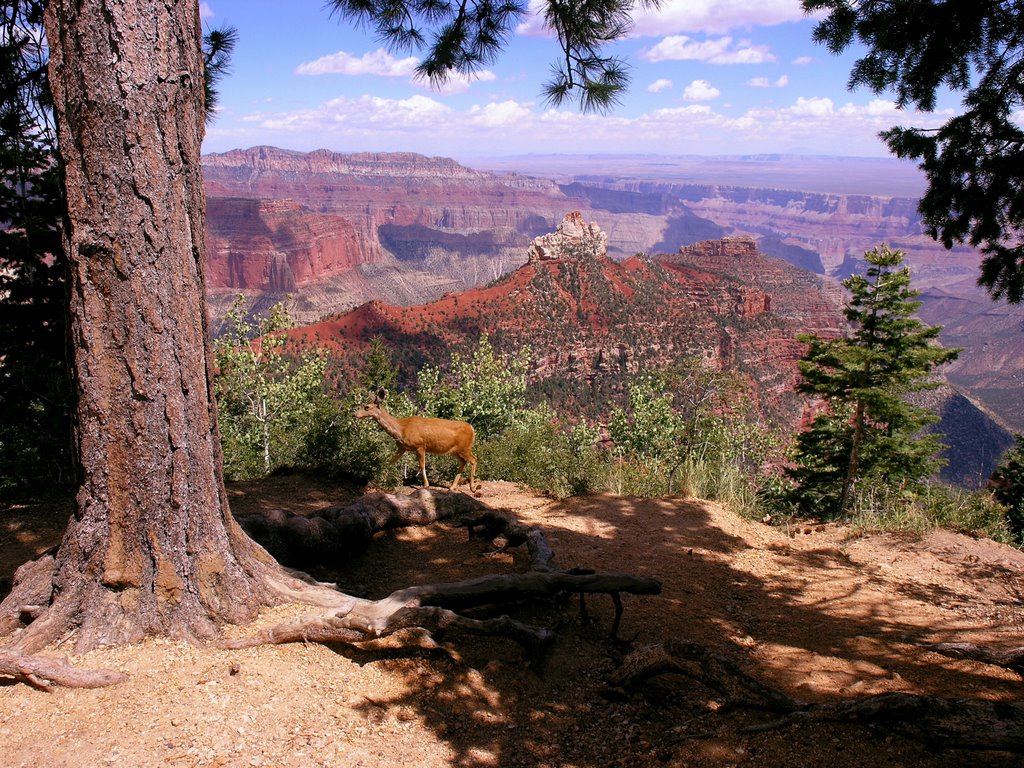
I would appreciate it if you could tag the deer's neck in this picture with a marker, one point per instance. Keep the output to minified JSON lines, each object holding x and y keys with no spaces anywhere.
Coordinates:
{"x":390,"y":424}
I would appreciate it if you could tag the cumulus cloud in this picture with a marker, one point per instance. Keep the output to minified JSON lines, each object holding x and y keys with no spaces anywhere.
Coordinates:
{"x":504,"y":113}
{"x":378,"y":62}
{"x":713,"y":17}
{"x":806,"y":125}
{"x":659,"y":85}
{"x":712,"y":51}
{"x":700,"y":90}
{"x":802,"y":61}
{"x":205,"y":11}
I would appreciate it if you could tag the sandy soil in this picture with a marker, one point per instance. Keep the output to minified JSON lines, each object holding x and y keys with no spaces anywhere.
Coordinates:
{"x":821,"y":616}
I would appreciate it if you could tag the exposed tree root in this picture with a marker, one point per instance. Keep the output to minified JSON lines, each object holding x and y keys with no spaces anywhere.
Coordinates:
{"x":44,"y":672}
{"x":970,"y":724}
{"x":712,"y":669}
{"x":1011,"y":658}
{"x":33,"y":588}
{"x":411,"y":617}
{"x":430,"y":608}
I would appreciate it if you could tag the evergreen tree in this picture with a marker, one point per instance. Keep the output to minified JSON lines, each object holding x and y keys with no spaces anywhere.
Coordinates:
{"x":464,"y":37}
{"x":973,"y":162}
{"x":1008,"y":486}
{"x":869,"y":430}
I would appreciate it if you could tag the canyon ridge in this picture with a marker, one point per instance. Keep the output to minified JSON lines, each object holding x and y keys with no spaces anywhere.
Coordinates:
{"x":330,"y":232}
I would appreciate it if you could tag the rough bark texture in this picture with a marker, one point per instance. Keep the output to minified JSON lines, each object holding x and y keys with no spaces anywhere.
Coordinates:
{"x":151,"y":548}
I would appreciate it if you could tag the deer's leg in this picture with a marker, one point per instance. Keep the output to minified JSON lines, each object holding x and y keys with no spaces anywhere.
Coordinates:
{"x":458,"y":474}
{"x":422,"y":453}
{"x":472,"y":474}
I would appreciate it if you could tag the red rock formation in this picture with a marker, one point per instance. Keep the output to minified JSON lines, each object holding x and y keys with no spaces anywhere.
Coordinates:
{"x":276,"y":245}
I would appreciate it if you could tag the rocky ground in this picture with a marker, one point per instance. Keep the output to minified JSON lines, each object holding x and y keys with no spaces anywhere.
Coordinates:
{"x":807,"y":610}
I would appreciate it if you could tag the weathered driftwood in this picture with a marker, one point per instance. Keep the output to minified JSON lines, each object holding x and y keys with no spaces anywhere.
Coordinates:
{"x":431,"y":608}
{"x":971,"y":724}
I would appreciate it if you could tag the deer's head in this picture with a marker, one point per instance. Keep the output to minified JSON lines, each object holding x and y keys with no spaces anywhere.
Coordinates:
{"x":371,"y":409}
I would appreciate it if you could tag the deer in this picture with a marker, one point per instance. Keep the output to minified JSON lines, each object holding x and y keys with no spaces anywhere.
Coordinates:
{"x":422,"y":435}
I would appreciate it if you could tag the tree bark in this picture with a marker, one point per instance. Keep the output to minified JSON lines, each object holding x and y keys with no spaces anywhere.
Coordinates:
{"x":151,"y":548}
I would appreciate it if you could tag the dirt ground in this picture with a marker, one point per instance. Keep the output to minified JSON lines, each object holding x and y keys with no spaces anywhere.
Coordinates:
{"x":809,"y":610}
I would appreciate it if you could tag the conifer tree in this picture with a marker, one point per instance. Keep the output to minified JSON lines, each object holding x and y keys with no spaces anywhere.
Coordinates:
{"x":869,"y":429}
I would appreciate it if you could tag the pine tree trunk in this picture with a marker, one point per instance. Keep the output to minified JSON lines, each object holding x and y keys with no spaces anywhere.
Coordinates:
{"x":853,"y":466}
{"x":152,"y":548}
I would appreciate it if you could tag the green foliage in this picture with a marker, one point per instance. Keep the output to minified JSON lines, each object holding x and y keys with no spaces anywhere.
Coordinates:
{"x":465,"y":37}
{"x":267,"y":398}
{"x":488,"y":390}
{"x":883,"y":507}
{"x":536,"y":451}
{"x":218,"y":47}
{"x":35,"y":383}
{"x":1008,"y":486}
{"x":677,"y":433}
{"x":868,"y":431}
{"x":973,"y":162}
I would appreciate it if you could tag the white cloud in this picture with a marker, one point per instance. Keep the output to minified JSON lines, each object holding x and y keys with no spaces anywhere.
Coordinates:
{"x":713,"y":51}
{"x":763,"y":82}
{"x":713,"y":17}
{"x":504,"y":113}
{"x":814,"y":106}
{"x":659,"y":85}
{"x":802,"y":61}
{"x":205,"y":11}
{"x":378,"y":62}
{"x":700,"y":90}
{"x":807,"y":125}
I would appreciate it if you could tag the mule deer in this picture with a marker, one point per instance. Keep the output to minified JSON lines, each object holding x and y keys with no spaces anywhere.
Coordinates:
{"x":422,"y":435}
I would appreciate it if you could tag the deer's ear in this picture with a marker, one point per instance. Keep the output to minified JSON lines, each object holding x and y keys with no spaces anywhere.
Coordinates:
{"x":381,"y":394}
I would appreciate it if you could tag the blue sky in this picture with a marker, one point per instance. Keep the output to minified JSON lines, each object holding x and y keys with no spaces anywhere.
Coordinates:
{"x":709,"y":77}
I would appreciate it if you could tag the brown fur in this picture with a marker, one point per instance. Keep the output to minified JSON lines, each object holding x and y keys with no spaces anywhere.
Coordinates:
{"x":422,"y":435}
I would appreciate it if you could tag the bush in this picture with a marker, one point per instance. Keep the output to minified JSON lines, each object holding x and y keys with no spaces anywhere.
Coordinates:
{"x":536,"y":452}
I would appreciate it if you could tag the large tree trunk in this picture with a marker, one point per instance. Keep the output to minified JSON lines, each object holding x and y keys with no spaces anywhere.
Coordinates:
{"x":152,"y":548}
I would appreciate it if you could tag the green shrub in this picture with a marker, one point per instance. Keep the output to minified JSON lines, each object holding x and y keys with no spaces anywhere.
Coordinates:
{"x":536,"y":452}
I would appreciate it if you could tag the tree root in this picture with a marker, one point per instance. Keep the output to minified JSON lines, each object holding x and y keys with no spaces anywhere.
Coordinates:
{"x":432,"y":608}
{"x":411,"y":618}
{"x":1010,"y":658}
{"x":45,"y":672}
{"x":970,"y":724}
